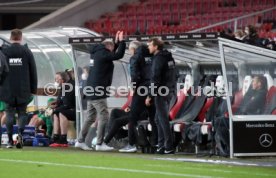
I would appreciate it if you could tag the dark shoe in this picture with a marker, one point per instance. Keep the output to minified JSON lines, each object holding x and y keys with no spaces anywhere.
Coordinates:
{"x":169,"y":152}
{"x":160,"y":150}
{"x":19,"y":142}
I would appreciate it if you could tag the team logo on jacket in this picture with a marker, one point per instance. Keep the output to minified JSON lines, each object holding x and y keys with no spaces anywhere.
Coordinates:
{"x":15,"y":61}
{"x":148,"y":60}
{"x":171,"y":64}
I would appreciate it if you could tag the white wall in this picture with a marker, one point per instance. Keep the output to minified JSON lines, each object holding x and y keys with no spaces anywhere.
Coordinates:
{"x":78,"y":12}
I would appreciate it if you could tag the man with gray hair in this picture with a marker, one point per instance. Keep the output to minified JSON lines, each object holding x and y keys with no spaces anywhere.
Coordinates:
{"x":140,"y":70}
{"x":100,"y":78}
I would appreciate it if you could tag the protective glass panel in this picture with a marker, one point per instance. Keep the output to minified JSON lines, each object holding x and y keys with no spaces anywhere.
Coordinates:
{"x":250,"y":74}
{"x":59,"y":59}
{"x":60,"y":39}
{"x":43,"y":67}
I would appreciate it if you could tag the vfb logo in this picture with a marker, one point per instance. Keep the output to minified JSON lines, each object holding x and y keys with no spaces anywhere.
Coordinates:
{"x":265,"y":140}
{"x":15,"y":61}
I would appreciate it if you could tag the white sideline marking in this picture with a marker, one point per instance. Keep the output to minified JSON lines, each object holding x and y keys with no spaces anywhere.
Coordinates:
{"x":214,"y":170}
{"x":190,"y":168}
{"x":106,"y":168}
{"x":235,"y":163}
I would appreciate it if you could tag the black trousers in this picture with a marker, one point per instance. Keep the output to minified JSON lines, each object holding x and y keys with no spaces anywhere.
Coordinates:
{"x":11,"y":110}
{"x":118,"y":118}
{"x":165,"y":138}
{"x":137,"y":108}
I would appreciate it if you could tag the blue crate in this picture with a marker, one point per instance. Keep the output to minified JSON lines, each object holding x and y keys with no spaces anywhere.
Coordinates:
{"x":41,"y":141}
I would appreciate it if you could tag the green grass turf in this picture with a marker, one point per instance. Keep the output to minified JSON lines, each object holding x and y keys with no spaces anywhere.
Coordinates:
{"x":70,"y":164}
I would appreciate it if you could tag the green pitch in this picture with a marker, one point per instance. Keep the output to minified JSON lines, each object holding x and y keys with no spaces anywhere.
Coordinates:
{"x":72,"y":163}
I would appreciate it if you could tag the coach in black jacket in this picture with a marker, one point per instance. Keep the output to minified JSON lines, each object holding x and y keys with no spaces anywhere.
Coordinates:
{"x":140,"y":70}
{"x":19,"y":85}
{"x":100,"y":78}
{"x":163,"y":75}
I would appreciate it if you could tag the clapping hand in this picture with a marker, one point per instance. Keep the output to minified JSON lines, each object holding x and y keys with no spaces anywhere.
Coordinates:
{"x":117,"y":36}
{"x":121,"y":36}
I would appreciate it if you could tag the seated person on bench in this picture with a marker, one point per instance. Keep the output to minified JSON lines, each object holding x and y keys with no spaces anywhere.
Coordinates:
{"x":118,"y":119}
{"x":64,"y":109}
{"x":44,"y":118}
{"x":254,"y":99}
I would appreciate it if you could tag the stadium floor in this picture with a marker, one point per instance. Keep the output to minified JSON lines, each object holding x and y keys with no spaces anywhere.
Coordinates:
{"x":71,"y":163}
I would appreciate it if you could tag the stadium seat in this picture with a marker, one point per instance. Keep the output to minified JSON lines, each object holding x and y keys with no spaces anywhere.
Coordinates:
{"x":180,"y":100}
{"x":197,"y":108}
{"x":176,"y":12}
{"x":238,"y":97}
{"x":270,"y":105}
{"x":189,"y":82}
{"x":205,"y":108}
{"x":206,"y":126}
{"x":269,"y":80}
{"x":181,"y":96}
{"x":246,"y":84}
{"x":219,"y":84}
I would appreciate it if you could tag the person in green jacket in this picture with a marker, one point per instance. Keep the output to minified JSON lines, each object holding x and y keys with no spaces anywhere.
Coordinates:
{"x":43,"y":118}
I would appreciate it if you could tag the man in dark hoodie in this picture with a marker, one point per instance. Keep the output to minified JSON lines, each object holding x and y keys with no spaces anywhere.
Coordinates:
{"x":163,"y":81}
{"x":140,"y":68}
{"x":100,"y":78}
{"x":19,"y":85}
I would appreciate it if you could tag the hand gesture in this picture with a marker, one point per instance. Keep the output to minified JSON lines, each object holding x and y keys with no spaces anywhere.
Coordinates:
{"x":117,"y":36}
{"x":121,"y":36}
{"x":147,"y":102}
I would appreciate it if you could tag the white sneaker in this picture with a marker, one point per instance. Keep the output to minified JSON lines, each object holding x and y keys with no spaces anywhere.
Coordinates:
{"x":82,"y":146}
{"x":128,"y":149}
{"x":104,"y":147}
{"x":9,"y":145}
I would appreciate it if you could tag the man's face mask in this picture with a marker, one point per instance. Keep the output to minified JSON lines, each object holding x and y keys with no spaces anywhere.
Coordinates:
{"x":56,"y":84}
{"x":84,"y":76}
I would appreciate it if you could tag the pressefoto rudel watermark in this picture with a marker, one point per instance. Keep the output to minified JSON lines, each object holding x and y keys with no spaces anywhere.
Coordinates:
{"x":51,"y":89}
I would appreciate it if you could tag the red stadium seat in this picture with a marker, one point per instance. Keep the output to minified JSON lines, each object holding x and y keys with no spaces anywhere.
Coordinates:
{"x":205,"y":108}
{"x":237,"y":101}
{"x":166,"y":8}
{"x":180,"y":100}
{"x":270,"y":107}
{"x":271,"y":92}
{"x":192,"y":14}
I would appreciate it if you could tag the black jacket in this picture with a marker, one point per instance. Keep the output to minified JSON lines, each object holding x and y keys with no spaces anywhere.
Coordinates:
{"x":101,"y":69}
{"x":4,"y":68}
{"x":21,"y":81}
{"x":68,"y":101}
{"x":164,"y":72}
{"x":253,"y":102}
{"x":140,"y":66}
